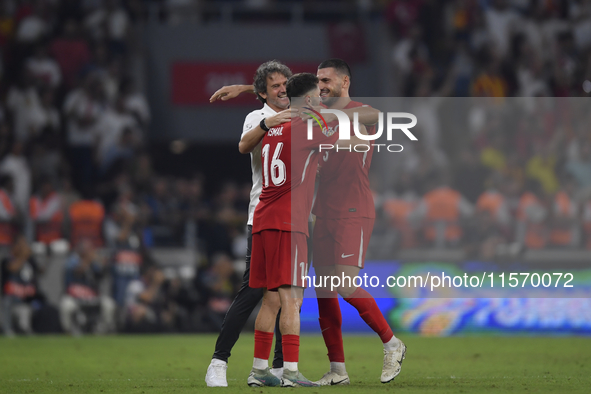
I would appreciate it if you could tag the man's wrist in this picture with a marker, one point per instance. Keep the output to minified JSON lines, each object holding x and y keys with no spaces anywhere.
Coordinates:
{"x":263,"y":125}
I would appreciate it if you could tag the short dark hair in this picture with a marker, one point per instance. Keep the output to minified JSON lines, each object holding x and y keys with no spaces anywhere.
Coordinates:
{"x":264,"y":70}
{"x":338,"y":64}
{"x":300,"y":84}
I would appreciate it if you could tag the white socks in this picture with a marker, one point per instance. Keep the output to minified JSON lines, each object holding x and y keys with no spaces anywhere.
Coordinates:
{"x":392,"y":344}
{"x":259,"y":363}
{"x":338,"y":368}
{"x":290,"y":366}
{"x":215,"y":361}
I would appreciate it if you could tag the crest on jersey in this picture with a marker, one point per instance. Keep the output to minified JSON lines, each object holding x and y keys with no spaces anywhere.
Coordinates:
{"x":328,"y":131}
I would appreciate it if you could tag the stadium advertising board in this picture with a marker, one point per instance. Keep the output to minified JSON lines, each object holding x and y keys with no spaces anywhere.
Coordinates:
{"x":455,"y":310}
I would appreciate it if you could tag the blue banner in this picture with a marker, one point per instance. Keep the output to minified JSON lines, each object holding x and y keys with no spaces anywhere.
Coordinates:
{"x":452,"y":316}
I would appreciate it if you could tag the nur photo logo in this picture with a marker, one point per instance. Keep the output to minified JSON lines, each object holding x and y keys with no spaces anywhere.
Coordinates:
{"x":344,"y":129}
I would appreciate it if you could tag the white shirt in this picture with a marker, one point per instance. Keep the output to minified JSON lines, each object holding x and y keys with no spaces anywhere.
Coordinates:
{"x":137,"y":104}
{"x":30,"y":29}
{"x":500,"y":24}
{"x":46,"y":69}
{"x":78,"y":104}
{"x":110,"y":127}
{"x":18,"y":168}
{"x":252,"y":121}
{"x":23,"y":103}
{"x":116,"y":23}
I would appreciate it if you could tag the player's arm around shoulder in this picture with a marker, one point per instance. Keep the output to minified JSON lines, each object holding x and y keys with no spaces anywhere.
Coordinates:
{"x":367,"y":115}
{"x":229,"y":92}
{"x":256,"y":127}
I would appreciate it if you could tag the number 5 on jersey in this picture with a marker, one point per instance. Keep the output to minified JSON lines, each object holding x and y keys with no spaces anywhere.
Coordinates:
{"x":277,"y":169}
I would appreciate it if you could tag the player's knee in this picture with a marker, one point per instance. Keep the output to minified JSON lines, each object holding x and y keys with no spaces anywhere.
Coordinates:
{"x":271,"y":302}
{"x":346,"y":291}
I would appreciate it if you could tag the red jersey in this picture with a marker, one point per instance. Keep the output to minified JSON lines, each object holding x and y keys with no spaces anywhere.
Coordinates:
{"x":289,"y":162}
{"x":343,"y":188}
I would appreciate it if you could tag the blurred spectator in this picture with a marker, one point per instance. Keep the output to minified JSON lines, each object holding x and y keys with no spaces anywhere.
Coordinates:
{"x":580,"y":168}
{"x":441,"y":211}
{"x":490,"y":82}
{"x":45,"y":118}
{"x":142,"y":173}
{"x":587,"y":223}
{"x":148,"y":307}
{"x":470,"y":175}
{"x":71,"y":52}
{"x":532,"y":217}
{"x":83,"y":108}
{"x":483,"y":235}
{"x":20,"y":289}
{"x":495,"y":204}
{"x":109,"y":21}
{"x":502,"y":22}
{"x":5,"y":139}
{"x":493,"y":155}
{"x":134,"y":102}
{"x":565,"y":230}
{"x":47,"y":213}
{"x":68,"y":194}
{"x":110,"y":130}
{"x":399,"y":207}
{"x":402,"y":16}
{"x":9,"y":215}
{"x":86,"y":222}
{"x":15,"y":165}
{"x":411,"y":58}
{"x":542,"y":167}
{"x":46,"y":158}
{"x":119,"y":153}
{"x":580,"y":15}
{"x":530,"y":72}
{"x":35,"y":25}
{"x":7,"y":24}
{"x":218,"y":285}
{"x":424,"y":162}
{"x":23,"y":100}
{"x":82,"y":297}
{"x":161,"y":217}
{"x":124,"y":246}
{"x":43,"y":68}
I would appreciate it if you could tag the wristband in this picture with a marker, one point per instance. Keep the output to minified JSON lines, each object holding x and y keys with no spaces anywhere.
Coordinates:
{"x":264,"y":125}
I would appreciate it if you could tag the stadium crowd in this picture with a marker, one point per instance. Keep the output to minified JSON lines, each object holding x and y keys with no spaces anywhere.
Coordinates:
{"x":519,"y":170}
{"x":75,"y":169}
{"x":74,"y":162}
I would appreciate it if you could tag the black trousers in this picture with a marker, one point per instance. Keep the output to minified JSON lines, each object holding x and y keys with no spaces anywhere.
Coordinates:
{"x":244,"y":303}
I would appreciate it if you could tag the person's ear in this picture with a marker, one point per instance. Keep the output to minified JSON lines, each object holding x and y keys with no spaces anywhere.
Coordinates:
{"x":346,"y":82}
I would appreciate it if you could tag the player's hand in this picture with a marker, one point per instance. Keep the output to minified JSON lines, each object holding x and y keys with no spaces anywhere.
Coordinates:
{"x":227,"y":93}
{"x":306,"y":113}
{"x":279,"y":118}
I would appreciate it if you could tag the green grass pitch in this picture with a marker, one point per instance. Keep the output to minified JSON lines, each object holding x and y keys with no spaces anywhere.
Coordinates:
{"x":177,"y":364}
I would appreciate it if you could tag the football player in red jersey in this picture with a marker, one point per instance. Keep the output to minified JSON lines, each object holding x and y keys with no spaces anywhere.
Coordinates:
{"x":345,"y":216}
{"x":280,"y":230}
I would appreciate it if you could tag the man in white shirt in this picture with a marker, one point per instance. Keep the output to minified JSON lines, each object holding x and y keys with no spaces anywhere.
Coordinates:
{"x":270,"y":83}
